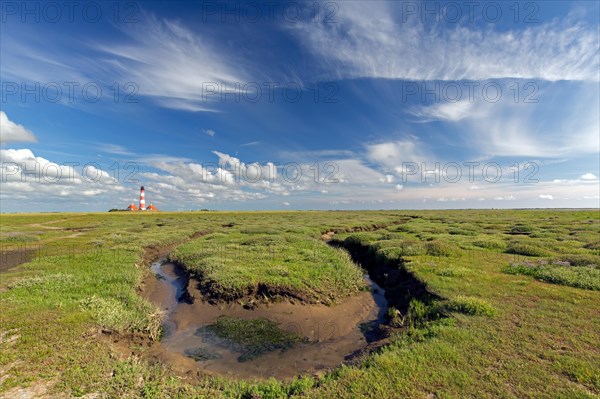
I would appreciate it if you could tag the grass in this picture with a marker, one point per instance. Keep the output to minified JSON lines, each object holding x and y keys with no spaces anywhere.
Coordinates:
{"x":505,"y":334}
{"x":559,"y":272}
{"x":251,"y":338}
{"x":471,"y":306}
{"x":525,"y":249}
{"x":240,"y":263}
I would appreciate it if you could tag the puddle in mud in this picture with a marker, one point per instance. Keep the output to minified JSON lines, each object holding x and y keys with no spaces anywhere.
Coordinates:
{"x":322,"y":336}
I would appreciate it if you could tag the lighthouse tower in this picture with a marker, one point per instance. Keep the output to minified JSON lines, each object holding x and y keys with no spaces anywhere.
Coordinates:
{"x":142,"y":200}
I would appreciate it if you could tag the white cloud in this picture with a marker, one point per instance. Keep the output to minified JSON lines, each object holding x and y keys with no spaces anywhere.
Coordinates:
{"x":250,"y":144}
{"x":181,"y":184}
{"x":509,"y":128}
{"x":165,"y":60}
{"x":32,"y":183}
{"x":392,"y":154}
{"x":387,"y":179}
{"x":21,"y":165}
{"x":11,"y":132}
{"x":286,"y":203}
{"x":113,"y":149}
{"x":445,"y":111}
{"x":210,"y":132}
{"x":370,"y":40}
{"x":304,"y":156}
{"x":178,"y":67}
{"x":546,"y":196}
{"x":93,"y":192}
{"x":156,"y":158}
{"x":348,"y":171}
{"x":588,"y":176}
{"x":505,"y":198}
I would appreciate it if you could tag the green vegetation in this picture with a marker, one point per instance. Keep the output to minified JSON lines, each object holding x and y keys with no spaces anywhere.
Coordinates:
{"x":559,"y":272}
{"x":269,"y":264}
{"x":438,"y":248}
{"x":497,"y":329}
{"x":201,"y":354}
{"x":470,"y":305}
{"x":525,"y":249}
{"x":251,"y":338}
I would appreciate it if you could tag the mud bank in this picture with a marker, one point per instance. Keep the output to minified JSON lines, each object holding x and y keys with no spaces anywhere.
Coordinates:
{"x":399,"y":284}
{"x":332,"y":334}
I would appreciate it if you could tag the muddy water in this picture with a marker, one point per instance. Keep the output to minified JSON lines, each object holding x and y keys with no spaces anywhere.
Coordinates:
{"x":331,"y":332}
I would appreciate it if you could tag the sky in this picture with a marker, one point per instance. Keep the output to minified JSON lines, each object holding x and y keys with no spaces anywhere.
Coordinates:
{"x":299,"y":105}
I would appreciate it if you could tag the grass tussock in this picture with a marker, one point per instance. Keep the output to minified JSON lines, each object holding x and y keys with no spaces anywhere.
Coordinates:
{"x":558,"y":272}
{"x":115,"y":315}
{"x":525,"y":250}
{"x":490,"y":243}
{"x":439,"y":248}
{"x":471,"y":306}
{"x":231,"y":267}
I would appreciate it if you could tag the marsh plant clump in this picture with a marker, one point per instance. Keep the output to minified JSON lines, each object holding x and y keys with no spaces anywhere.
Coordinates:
{"x":201,"y":354}
{"x":518,"y":248}
{"x":560,"y":272}
{"x":470,"y":306}
{"x":250,"y":337}
{"x":269,"y":267}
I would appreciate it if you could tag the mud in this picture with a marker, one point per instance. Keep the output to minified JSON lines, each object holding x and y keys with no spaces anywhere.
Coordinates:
{"x":332,"y":333}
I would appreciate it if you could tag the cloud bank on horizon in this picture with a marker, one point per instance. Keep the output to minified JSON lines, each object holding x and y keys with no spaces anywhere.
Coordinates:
{"x":368,"y":106}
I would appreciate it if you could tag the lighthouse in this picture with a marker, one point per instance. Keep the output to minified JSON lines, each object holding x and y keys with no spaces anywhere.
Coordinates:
{"x":142,"y":207}
{"x":142,"y":200}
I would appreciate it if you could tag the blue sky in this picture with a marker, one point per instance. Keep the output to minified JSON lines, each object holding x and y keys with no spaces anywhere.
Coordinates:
{"x":299,"y":105}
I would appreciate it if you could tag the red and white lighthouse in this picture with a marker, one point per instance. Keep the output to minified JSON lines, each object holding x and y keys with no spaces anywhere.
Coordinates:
{"x":142,"y":200}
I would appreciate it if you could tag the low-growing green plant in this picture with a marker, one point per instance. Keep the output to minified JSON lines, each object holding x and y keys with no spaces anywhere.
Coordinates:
{"x":593,"y":246}
{"x":525,"y":250}
{"x":490,"y":243}
{"x":521,"y":229}
{"x":361,"y":238}
{"x":470,"y":305}
{"x":558,"y":272}
{"x":578,"y":370}
{"x":581,"y":259}
{"x":452,"y":271}
{"x":252,"y":337}
{"x":461,"y":232}
{"x":19,"y":239}
{"x":438,"y":248}
{"x":114,"y":314}
{"x":396,"y":318}
{"x":420,"y":312}
{"x":231,"y":267}
{"x":40,"y":281}
{"x":397,"y":248}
